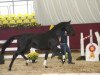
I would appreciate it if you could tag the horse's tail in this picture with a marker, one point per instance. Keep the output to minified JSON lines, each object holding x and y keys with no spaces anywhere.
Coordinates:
{"x":4,"y":46}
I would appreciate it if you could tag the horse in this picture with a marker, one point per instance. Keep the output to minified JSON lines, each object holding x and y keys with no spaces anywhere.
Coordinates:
{"x":45,"y":41}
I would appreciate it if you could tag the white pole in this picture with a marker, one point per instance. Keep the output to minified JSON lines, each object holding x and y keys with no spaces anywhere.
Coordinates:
{"x":91,"y":36}
{"x":82,"y":45}
{"x":98,"y":40}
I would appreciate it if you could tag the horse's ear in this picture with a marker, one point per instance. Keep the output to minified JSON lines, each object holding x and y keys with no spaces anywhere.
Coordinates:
{"x":69,"y":21}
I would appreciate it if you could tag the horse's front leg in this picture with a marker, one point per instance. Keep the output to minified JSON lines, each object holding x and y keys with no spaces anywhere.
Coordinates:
{"x":14,"y":57}
{"x":45,"y":60}
{"x":58,"y":52}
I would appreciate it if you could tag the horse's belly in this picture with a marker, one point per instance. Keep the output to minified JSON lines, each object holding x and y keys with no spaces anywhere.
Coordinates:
{"x":40,"y":47}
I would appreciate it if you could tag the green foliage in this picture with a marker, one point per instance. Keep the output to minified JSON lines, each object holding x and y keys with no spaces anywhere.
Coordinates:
{"x":32,"y":55}
{"x":66,"y":55}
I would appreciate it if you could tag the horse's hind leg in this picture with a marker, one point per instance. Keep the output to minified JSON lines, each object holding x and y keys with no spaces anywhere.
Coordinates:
{"x":25,"y":58}
{"x":24,"y":49}
{"x":14,"y":57}
{"x":46,"y":57}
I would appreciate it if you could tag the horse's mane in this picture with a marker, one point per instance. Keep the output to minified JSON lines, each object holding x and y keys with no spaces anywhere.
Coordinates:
{"x":55,"y":29}
{"x":58,"y":26}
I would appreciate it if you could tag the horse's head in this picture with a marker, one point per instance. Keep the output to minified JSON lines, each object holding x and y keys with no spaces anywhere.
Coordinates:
{"x":67,"y":27}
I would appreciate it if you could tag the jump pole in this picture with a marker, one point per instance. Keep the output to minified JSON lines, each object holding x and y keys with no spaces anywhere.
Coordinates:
{"x":82,"y":38}
{"x":82,"y":47}
{"x":91,"y":36}
{"x":98,"y":40}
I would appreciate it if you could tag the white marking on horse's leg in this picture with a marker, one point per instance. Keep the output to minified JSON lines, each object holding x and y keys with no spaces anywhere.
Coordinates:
{"x":45,"y":63}
{"x":59,"y":46}
{"x":63,"y":57}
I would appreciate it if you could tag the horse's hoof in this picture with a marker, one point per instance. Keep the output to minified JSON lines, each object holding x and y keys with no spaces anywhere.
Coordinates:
{"x":63,"y":61}
{"x":26,"y":64}
{"x":9,"y":69}
{"x":46,"y":66}
{"x":52,"y":56}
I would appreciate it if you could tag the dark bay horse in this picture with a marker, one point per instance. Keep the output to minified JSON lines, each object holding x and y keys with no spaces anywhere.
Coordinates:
{"x":48,"y":41}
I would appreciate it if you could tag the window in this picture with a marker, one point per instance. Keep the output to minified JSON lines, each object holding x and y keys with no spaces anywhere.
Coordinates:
{"x":4,"y":8}
{"x":30,"y":6}
{"x":20,"y":7}
{"x":16,"y":6}
{"x":4,"y":0}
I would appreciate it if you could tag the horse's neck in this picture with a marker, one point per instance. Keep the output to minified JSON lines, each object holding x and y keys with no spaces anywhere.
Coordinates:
{"x":57,"y":32}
